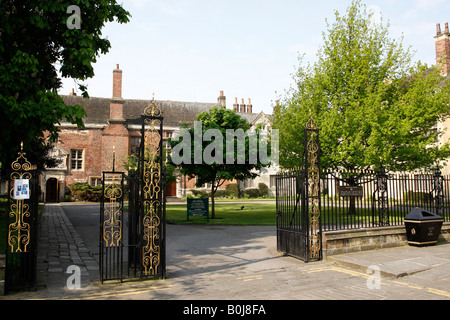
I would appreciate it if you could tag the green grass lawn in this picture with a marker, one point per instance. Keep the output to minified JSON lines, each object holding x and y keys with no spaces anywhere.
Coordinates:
{"x":256,"y":214}
{"x":261,"y":214}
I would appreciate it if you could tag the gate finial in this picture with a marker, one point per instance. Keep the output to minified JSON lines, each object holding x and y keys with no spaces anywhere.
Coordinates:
{"x":152,"y":109}
{"x":310,"y":124}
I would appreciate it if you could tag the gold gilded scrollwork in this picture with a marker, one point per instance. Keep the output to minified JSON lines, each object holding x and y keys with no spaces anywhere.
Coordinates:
{"x":112,"y":225}
{"x":18,"y":229}
{"x":315,"y":242}
{"x":152,"y":110}
{"x":151,"y":222}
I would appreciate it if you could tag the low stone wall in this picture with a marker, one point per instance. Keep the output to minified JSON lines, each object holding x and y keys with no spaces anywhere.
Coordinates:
{"x":345,"y":241}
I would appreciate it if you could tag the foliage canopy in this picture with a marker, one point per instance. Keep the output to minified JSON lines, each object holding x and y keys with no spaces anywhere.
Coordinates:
{"x":217,"y":172}
{"x":374,"y":107}
{"x":35,"y":39}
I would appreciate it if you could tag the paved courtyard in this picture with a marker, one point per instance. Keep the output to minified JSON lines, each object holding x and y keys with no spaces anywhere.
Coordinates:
{"x":232,"y":263}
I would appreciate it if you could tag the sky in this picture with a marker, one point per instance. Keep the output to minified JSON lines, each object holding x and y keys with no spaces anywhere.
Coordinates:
{"x":190,"y":50}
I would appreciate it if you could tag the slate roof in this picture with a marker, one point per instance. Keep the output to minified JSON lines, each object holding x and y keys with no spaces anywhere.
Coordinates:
{"x":175,"y":112}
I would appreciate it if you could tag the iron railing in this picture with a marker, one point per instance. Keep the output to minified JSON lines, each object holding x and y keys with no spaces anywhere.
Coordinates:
{"x":367,"y":199}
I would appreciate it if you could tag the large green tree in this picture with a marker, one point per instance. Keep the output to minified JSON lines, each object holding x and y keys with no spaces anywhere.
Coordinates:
{"x":219,"y":147}
{"x":373,"y":105}
{"x":36,"y":38}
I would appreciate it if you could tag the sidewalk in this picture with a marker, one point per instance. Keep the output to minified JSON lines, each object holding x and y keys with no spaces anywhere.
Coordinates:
{"x":59,"y":247}
{"x":401,"y":261}
{"x":221,"y":262}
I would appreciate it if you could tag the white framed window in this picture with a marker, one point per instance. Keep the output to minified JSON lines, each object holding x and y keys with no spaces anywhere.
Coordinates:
{"x":95,"y":181}
{"x":76,"y":159}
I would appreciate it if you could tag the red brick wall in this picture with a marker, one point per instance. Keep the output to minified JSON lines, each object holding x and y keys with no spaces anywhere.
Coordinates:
{"x":90,"y":141}
{"x":115,"y":135}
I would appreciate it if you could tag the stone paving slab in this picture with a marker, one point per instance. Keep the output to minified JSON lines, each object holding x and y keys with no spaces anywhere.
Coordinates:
{"x":400,"y":261}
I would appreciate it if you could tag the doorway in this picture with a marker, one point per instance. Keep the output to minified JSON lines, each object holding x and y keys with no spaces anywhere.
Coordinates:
{"x":171,"y":189}
{"x":52,"y":190}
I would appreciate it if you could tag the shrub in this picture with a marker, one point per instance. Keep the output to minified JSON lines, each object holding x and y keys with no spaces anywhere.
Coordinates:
{"x":84,"y":192}
{"x":252,"y":193}
{"x":207,"y":194}
{"x":221,"y":194}
{"x":200,"y":193}
{"x":233,"y":190}
{"x":416,"y":196}
{"x":263,"y":189}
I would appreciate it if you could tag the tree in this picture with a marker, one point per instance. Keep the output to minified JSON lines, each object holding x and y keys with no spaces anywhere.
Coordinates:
{"x":374,"y":107}
{"x":219,"y":147}
{"x":36,"y":37}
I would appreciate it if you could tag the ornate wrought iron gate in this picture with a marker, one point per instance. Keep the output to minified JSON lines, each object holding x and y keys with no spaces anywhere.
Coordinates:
{"x":111,"y":226}
{"x":22,"y":225}
{"x":299,"y":231}
{"x":151,"y":199}
{"x":145,"y":241}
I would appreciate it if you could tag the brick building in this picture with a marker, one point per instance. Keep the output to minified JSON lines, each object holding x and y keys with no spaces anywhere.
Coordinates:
{"x":113,"y":125}
{"x":442,"y":45}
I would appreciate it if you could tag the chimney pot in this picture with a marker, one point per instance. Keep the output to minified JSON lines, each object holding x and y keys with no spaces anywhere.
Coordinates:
{"x":446,"y":28}
{"x":438,"y":29}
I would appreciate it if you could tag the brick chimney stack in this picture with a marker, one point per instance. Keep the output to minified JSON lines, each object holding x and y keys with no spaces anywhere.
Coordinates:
{"x":222,"y":100}
{"x":116,"y":104}
{"x":442,"y":44}
{"x":235,"y":105}
{"x":117,"y":83}
{"x":242,"y":106}
{"x":72,"y":93}
{"x":249,"y":106}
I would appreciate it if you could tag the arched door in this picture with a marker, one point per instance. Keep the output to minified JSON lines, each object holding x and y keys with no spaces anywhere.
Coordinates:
{"x":52,"y":190}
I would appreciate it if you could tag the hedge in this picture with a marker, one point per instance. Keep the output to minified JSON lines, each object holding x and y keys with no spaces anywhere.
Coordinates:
{"x":85,"y":192}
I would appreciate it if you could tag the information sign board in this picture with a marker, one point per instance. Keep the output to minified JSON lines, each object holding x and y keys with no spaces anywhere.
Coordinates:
{"x":197,"y":207}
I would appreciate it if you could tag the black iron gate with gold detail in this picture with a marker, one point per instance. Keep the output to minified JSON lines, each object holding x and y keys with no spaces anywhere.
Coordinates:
{"x":20,"y":272}
{"x":111,"y":227}
{"x":151,"y":199}
{"x":299,"y":229}
{"x":142,"y":250}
